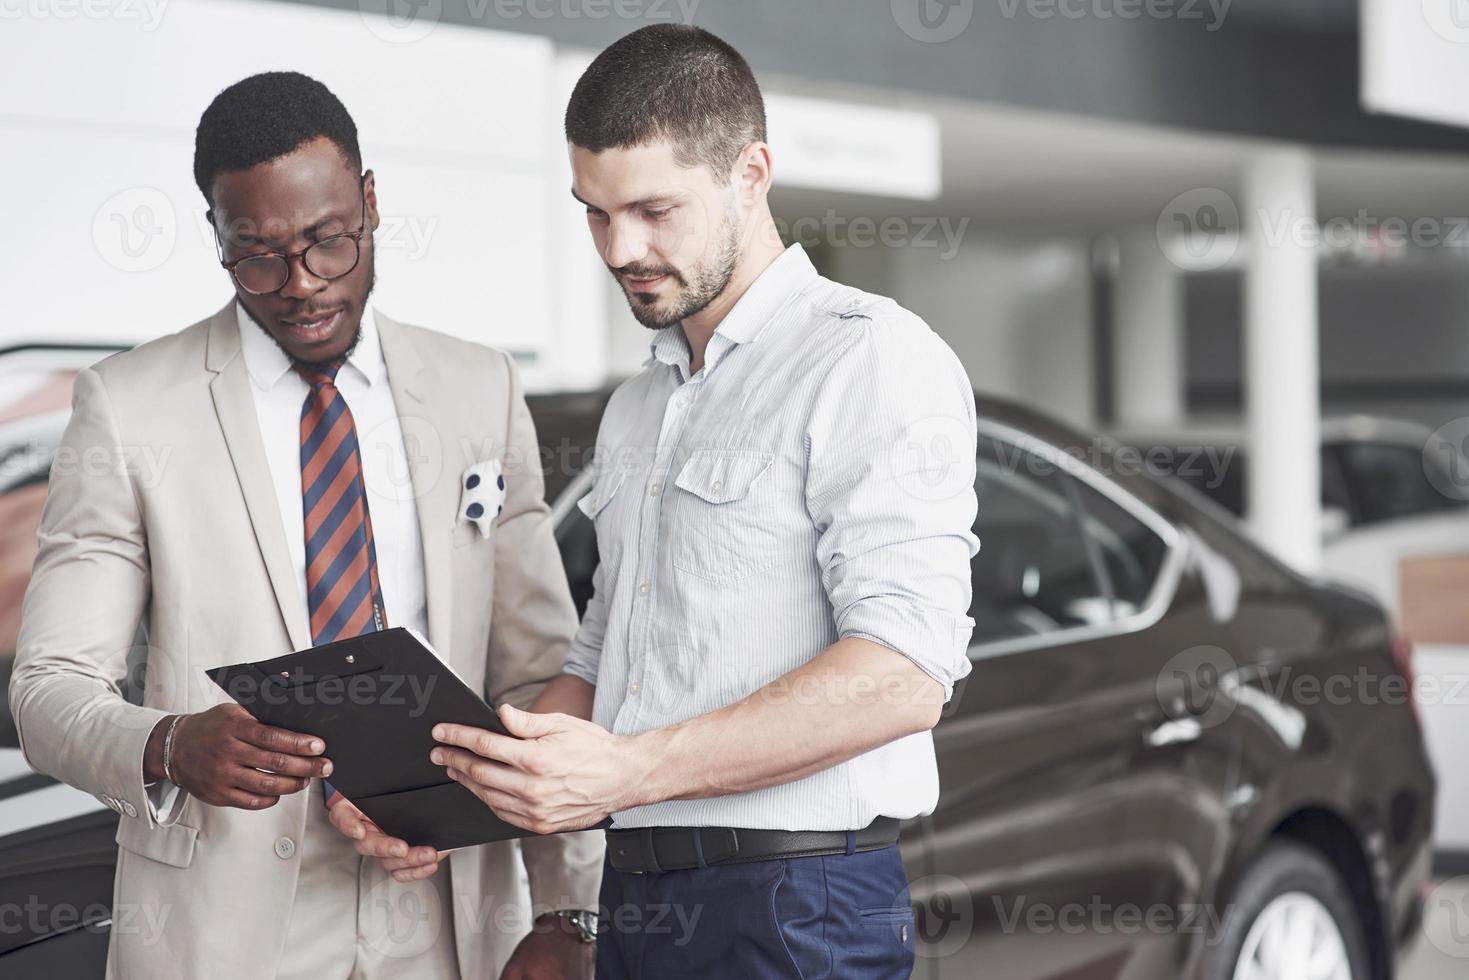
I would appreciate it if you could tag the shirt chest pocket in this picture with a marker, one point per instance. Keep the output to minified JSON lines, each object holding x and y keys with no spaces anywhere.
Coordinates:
{"x":724,"y":524}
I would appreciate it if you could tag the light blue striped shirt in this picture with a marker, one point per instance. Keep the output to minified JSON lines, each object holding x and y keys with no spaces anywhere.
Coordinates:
{"x":813,"y":482}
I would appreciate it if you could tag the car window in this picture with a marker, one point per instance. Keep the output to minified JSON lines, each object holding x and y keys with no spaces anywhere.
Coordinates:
{"x":1034,"y":573}
{"x":1335,"y":493}
{"x":1131,"y":553}
{"x":1389,"y":481}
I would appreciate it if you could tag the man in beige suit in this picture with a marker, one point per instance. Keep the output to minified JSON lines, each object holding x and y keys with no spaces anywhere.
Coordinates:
{"x":225,"y":552}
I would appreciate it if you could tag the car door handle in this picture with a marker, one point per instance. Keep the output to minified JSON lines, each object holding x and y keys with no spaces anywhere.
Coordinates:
{"x":1180,"y":731}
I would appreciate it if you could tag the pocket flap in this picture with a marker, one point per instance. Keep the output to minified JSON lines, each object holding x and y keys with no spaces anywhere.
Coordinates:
{"x":722,"y":475}
{"x":602,"y":493}
{"x":173,"y":845}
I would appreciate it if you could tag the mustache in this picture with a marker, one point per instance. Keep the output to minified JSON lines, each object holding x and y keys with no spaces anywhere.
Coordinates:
{"x":647,"y":271}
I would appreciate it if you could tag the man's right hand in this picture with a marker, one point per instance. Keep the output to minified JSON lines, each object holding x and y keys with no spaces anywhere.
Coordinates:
{"x":406,"y":863}
{"x":218,"y":756}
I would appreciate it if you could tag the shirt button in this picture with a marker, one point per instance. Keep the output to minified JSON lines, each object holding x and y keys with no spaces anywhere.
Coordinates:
{"x":635,"y":687}
{"x":718,"y":487}
{"x":655,"y":489}
{"x":644,"y":589}
{"x":284,"y":848}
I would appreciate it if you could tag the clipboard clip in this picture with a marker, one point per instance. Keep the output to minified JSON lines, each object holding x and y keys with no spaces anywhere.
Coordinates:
{"x":315,"y":666}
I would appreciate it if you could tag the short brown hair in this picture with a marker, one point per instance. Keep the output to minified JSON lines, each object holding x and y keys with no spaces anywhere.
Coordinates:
{"x":670,"y":82}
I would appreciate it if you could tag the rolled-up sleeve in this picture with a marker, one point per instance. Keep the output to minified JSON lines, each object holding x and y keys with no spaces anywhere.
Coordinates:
{"x":585,"y":654}
{"x":891,"y":445}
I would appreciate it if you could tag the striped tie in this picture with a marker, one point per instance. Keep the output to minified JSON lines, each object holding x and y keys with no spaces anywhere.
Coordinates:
{"x":343,"y":593}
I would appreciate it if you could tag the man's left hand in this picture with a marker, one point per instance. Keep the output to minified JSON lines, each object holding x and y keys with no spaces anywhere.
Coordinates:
{"x":560,"y":774}
{"x":552,"y":951}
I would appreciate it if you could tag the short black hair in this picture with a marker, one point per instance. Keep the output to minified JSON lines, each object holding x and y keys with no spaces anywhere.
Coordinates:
{"x":672,"y":82}
{"x":267,"y":116}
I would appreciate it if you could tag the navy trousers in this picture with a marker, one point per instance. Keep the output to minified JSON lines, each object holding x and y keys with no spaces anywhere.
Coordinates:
{"x":845,"y":917}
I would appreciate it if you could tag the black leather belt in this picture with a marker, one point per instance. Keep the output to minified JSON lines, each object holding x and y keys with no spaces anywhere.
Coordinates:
{"x":658,"y":849}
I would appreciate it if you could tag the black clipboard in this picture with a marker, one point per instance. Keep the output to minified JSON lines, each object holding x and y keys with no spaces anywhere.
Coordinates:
{"x":374,"y":700}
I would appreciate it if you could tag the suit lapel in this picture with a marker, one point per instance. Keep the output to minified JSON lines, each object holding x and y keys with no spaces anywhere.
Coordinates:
{"x":427,"y":442}
{"x":234,"y":403}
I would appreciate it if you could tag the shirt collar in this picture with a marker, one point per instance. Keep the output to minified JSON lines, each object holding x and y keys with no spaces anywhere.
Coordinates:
{"x":267,"y":363}
{"x":788,"y":274}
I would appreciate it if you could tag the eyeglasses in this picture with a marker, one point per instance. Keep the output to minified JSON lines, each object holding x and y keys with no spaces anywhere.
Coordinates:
{"x":267,"y":272}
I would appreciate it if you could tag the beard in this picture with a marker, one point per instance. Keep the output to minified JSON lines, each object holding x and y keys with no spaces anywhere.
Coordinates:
{"x":696,"y":291}
{"x":356,"y":337}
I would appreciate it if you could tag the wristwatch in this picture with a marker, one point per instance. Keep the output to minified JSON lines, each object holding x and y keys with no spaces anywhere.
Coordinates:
{"x":580,"y":921}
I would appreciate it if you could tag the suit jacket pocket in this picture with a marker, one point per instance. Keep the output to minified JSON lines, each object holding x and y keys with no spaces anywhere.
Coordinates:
{"x":173,"y":845}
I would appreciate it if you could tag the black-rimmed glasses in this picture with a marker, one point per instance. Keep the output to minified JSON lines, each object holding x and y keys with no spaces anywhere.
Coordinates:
{"x":267,"y":272}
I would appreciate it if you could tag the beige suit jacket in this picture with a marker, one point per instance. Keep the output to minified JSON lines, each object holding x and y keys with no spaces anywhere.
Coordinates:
{"x":161,"y":511}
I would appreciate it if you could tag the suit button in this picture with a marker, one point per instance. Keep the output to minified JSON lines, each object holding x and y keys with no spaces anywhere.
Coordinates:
{"x":129,"y":809}
{"x":284,"y":848}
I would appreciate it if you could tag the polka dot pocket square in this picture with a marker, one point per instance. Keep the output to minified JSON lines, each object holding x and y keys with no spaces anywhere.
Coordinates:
{"x":482,"y":495}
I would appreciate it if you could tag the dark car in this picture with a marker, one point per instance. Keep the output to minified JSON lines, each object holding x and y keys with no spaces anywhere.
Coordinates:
{"x":1142,"y":776}
{"x":1153,"y":770}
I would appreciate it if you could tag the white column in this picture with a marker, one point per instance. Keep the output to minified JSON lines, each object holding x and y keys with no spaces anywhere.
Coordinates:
{"x":1282,"y":356}
{"x":1147,"y":336}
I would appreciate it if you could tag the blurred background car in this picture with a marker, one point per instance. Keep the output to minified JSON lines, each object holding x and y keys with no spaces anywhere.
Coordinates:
{"x":1078,"y":759}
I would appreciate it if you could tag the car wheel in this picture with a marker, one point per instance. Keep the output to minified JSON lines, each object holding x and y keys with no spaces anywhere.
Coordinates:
{"x":1291,"y":918}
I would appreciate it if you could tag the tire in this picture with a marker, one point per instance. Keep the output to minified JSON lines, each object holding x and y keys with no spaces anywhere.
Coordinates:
{"x":1287,"y":879}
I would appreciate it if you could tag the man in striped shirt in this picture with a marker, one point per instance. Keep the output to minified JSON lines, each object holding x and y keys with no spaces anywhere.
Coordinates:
{"x":783,"y":504}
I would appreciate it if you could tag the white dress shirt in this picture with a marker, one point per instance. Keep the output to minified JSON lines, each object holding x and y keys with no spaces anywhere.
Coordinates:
{"x":363,"y":381}
{"x":280,"y":394}
{"x":814,"y":481}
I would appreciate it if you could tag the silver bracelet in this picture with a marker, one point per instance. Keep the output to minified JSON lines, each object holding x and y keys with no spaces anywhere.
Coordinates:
{"x":168,"y":749}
